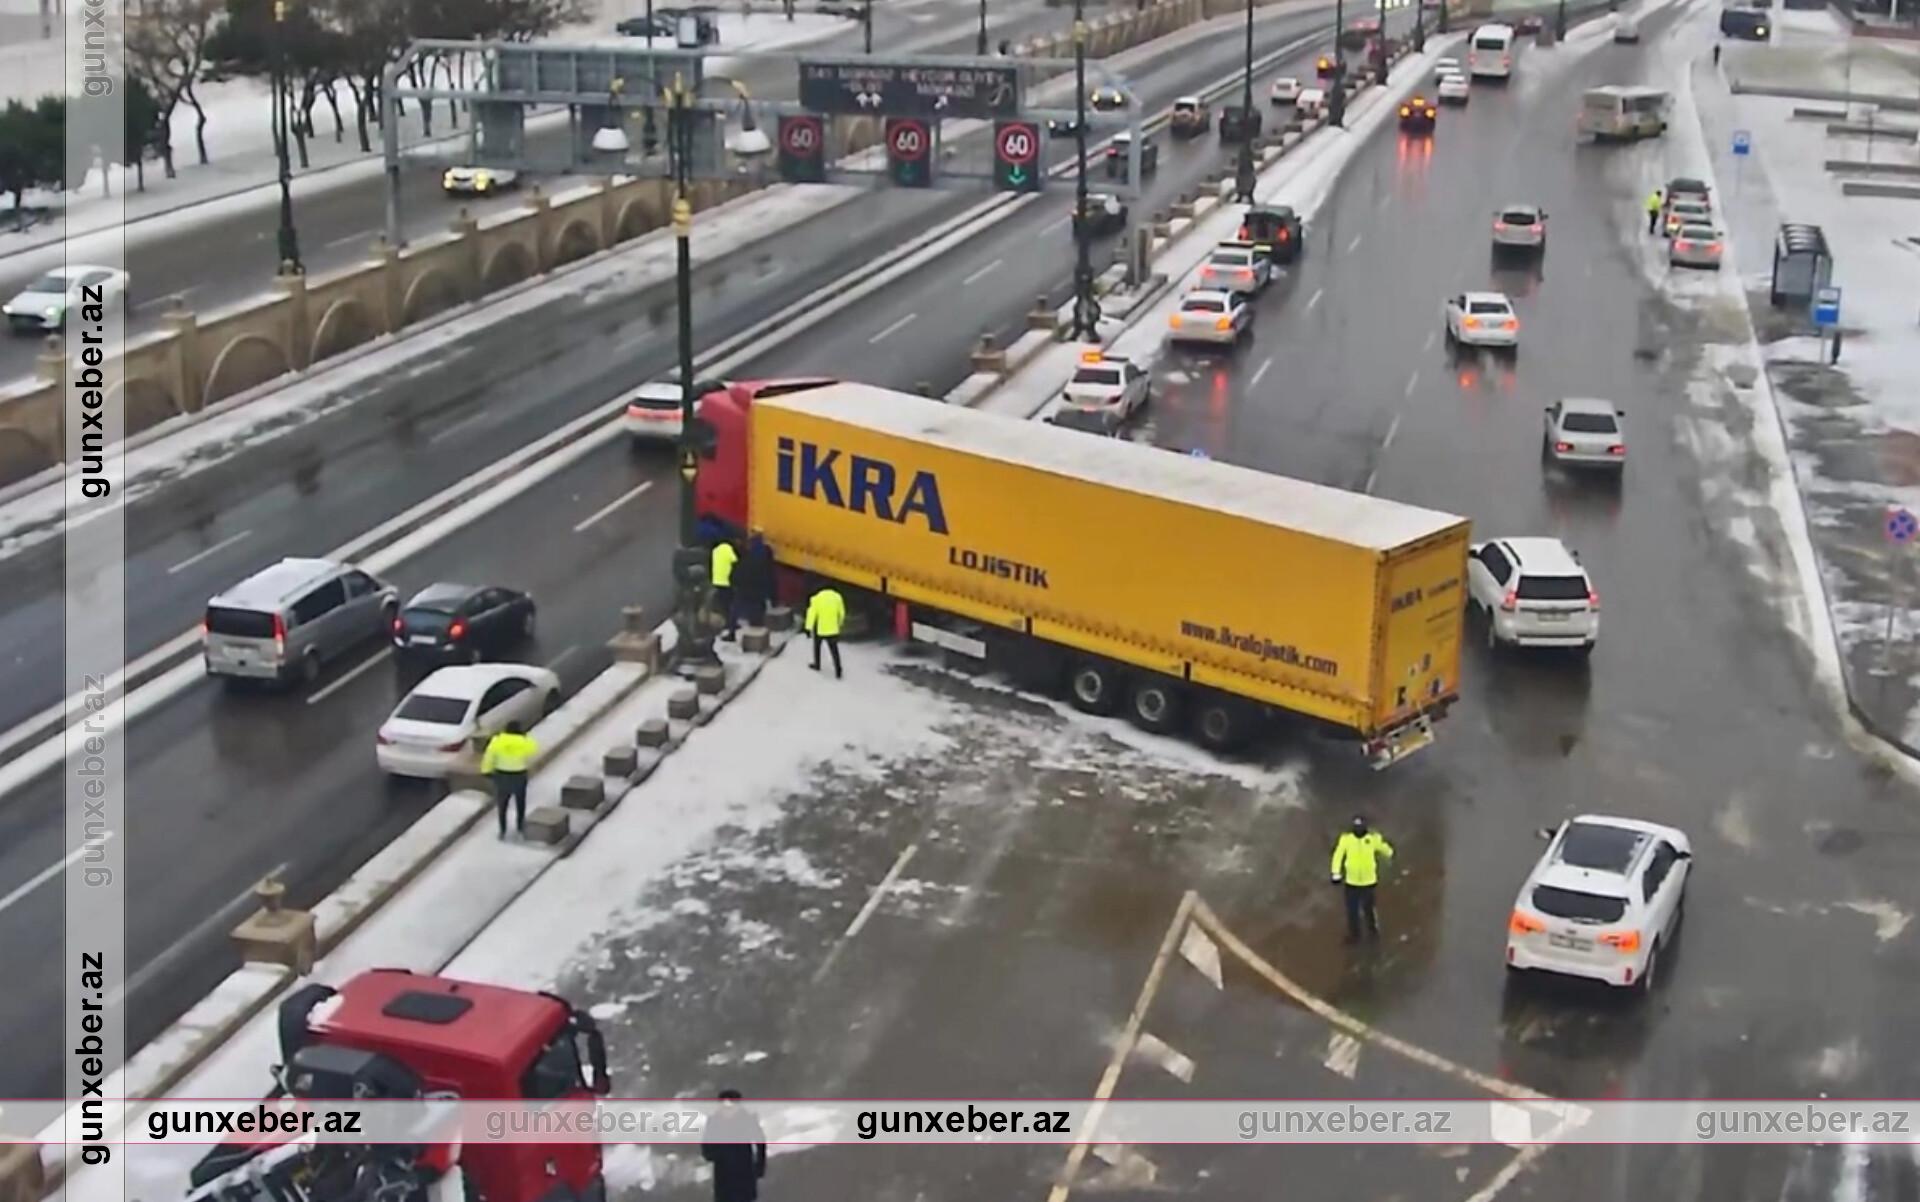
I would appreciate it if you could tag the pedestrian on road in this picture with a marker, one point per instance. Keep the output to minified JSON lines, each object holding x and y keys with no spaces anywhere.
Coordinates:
{"x":508,"y":756}
{"x":736,"y":1147}
{"x":1653,"y":210}
{"x":1716,"y":54}
{"x":720,"y":572}
{"x":826,"y":615}
{"x":1356,"y":865}
{"x":753,"y":580}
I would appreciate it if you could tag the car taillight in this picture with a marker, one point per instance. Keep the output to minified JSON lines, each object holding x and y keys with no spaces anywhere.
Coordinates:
{"x":1224,"y":323}
{"x":1593,"y":598}
{"x":1431,"y":112}
{"x":454,"y":746}
{"x":382,"y":739}
{"x":1617,"y":448}
{"x":398,"y":626}
{"x":1173,"y":322}
{"x":1563,"y":447}
{"x":1523,"y":923}
{"x":1682,"y":244}
{"x":1472,"y":323}
{"x":1511,"y":601}
{"x":1714,"y":247}
{"x":1624,"y":941}
{"x":457,"y":630}
{"x":1499,"y":226}
{"x":1405,"y":111}
{"x":1284,"y":234}
{"x":279,"y":634}
{"x":1511,"y":323}
{"x":1242,"y":235}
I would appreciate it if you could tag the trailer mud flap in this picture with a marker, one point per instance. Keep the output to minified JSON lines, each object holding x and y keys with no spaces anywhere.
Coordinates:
{"x":1400,"y":742}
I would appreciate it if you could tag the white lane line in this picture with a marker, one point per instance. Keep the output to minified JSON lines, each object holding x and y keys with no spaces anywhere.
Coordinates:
{"x":160,"y":301}
{"x":1343,"y":1054}
{"x":218,"y":918}
{"x":455,"y":426}
{"x":48,"y":873}
{"x":1261,"y":371}
{"x":1314,"y":299}
{"x":1368,"y":486}
{"x":351,"y":675}
{"x":614,"y":504}
{"x":1413,"y":382}
{"x":1393,"y":428}
{"x":1355,"y":244}
{"x":363,"y":237}
{"x":1055,"y":225}
{"x":893,"y":329}
{"x":1428,"y":344}
{"x":982,"y":272}
{"x":216,"y":548}
{"x":553,"y":665}
{"x":866,"y":912}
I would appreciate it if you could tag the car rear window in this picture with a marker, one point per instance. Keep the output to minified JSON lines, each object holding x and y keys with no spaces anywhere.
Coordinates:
{"x":425,"y":707}
{"x":1231,"y":258}
{"x":1517,"y":217}
{"x":1702,"y":233}
{"x":1589,"y":423}
{"x":663,"y":398}
{"x":1580,"y":907}
{"x":1106,"y":377}
{"x":1490,"y":43}
{"x":240,"y":623}
{"x":1204,"y":304}
{"x":1553,"y":588}
{"x":423,"y":620}
{"x":1598,"y":846}
{"x":1486,"y":307}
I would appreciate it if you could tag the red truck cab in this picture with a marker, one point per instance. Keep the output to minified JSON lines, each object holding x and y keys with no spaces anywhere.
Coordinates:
{"x":391,"y":1033}
{"x":720,"y":490}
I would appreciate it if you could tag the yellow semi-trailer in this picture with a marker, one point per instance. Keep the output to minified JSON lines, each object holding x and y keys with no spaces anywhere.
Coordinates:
{"x":1135,"y":577}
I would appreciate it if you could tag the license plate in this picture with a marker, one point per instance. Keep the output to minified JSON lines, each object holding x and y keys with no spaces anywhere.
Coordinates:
{"x":1571,"y":942}
{"x":1553,"y":617}
{"x":423,"y":640}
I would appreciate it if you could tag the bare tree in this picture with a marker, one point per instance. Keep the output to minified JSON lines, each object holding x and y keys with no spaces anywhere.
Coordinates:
{"x":167,"y":53}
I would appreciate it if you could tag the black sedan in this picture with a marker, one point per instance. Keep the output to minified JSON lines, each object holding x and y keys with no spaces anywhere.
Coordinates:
{"x":1418,"y":115}
{"x":463,"y":621}
{"x":1105,"y":214}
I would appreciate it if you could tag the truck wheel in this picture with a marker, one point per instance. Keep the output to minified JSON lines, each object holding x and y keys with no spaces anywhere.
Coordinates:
{"x":1221,"y":724}
{"x":1094,"y":685}
{"x":1155,"y":704}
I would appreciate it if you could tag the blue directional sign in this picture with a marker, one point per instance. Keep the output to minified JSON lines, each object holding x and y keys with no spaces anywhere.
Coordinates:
{"x":1742,"y":142}
{"x":1901,"y":526}
{"x":1826,"y":307}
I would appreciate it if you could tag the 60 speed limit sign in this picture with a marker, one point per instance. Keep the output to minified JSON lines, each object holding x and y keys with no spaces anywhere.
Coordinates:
{"x":1018,"y":143}
{"x":907,"y":139}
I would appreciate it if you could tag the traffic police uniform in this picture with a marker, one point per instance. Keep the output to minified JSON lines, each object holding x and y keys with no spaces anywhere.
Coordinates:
{"x":1356,"y":864}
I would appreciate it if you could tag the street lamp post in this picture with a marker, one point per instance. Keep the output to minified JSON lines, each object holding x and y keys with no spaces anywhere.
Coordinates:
{"x":1380,"y":45}
{"x":866,"y":24}
{"x":1337,"y":103}
{"x":1560,"y":21}
{"x":689,"y":561}
{"x":1419,"y":26}
{"x":1243,"y":180}
{"x":289,"y":239}
{"x":980,"y":47}
{"x":1086,"y":310}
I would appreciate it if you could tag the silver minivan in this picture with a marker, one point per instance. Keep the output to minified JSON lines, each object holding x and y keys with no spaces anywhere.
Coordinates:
{"x":284,"y":622}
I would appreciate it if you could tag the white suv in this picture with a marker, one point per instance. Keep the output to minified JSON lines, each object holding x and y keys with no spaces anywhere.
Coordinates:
{"x":1534,"y":593}
{"x":1602,"y":900}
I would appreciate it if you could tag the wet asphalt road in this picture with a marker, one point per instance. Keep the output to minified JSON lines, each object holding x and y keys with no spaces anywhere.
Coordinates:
{"x":225,"y":787}
{"x":338,"y":225}
{"x":1051,"y":855}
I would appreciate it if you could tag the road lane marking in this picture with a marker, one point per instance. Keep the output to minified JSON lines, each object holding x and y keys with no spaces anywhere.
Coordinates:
{"x":1368,"y":486}
{"x":1261,"y":371}
{"x":351,"y":675}
{"x":1413,"y":381}
{"x":1160,"y":1052}
{"x":1314,"y":299}
{"x":893,"y":329}
{"x":455,"y":426}
{"x":983,"y":271}
{"x":614,"y":504}
{"x":1343,"y":1054}
{"x":222,"y":545}
{"x":1355,"y":244}
{"x":1431,"y":335}
{"x":553,"y":665}
{"x":1054,"y":225}
{"x":48,"y":873}
{"x":216,"y":919}
{"x":163,"y":300}
{"x":859,"y":922}
{"x":363,"y":237}
{"x":1393,"y":427}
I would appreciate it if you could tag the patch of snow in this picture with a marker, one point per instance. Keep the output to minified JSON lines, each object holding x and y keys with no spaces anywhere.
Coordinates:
{"x":1888,"y":919}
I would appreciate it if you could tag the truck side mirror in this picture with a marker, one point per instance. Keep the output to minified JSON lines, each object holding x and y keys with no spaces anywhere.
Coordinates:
{"x":703,"y":437}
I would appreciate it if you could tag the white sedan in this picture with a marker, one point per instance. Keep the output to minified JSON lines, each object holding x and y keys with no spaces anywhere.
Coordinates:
{"x":478,"y":181}
{"x":1585,"y":432}
{"x":652,"y":412}
{"x":1454,"y":88}
{"x":1285,"y":91}
{"x":1482,"y":319}
{"x":43,"y":305}
{"x":1603,"y":900}
{"x":442,"y":726}
{"x":1207,"y":316}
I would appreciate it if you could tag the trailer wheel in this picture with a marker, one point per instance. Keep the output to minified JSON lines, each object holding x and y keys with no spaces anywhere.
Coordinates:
{"x":1094,"y":685}
{"x":1155,"y":704}
{"x":1221,"y":723}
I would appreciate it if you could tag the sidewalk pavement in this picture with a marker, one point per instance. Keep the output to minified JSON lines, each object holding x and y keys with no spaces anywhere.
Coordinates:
{"x":240,"y":145}
{"x":1853,"y":428}
{"x":1814,"y":51}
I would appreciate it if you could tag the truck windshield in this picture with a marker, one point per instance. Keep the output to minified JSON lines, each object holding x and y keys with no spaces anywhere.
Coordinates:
{"x":556,"y":1071}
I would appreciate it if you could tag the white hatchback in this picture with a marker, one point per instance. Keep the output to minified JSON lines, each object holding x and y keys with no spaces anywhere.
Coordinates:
{"x":1454,"y":88}
{"x":652,"y":412}
{"x":1482,"y":319}
{"x":1584,"y":432}
{"x":1520,"y":226}
{"x":1602,"y":901}
{"x":1534,"y":593}
{"x":443,"y":725}
{"x":1284,"y":91}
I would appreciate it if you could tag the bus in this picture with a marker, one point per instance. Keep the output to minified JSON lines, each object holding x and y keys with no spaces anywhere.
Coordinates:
{"x":1490,"y":52}
{"x":1623,"y":112}
{"x":1748,"y":23}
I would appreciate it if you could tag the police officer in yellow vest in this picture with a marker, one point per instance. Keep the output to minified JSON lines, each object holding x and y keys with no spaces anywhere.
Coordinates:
{"x":826,"y":615}
{"x":720,"y":573}
{"x":508,"y":756}
{"x":1356,"y":864}
{"x":1655,"y":201}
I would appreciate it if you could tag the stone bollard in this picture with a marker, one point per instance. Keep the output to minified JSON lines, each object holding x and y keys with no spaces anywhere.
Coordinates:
{"x":1182,"y":208}
{"x":273,"y":935}
{"x":651,"y":733}
{"x":709,"y":680}
{"x":684,"y":704}
{"x":583,"y":792}
{"x":1042,"y":315}
{"x":1162,"y":224}
{"x":636,"y":643}
{"x":754,"y":640}
{"x":988,"y":357}
{"x":779,"y":617}
{"x":548,"y":825}
{"x":620,"y":762}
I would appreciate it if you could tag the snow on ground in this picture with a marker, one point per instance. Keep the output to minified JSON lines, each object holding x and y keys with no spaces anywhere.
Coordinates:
{"x":1812,"y":49}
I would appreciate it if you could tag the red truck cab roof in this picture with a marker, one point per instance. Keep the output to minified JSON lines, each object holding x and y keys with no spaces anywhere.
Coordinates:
{"x":720,"y":490}
{"x":450,"y":1032}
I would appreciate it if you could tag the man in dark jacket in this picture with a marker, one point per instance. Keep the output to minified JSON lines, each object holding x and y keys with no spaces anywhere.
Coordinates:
{"x":737,"y":1148}
{"x":753,"y":581}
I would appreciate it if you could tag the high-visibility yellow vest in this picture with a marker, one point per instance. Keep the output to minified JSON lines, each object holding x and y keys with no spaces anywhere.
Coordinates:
{"x":826,"y":613}
{"x":1356,"y":858}
{"x":724,"y":557}
{"x":508,"y":752}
